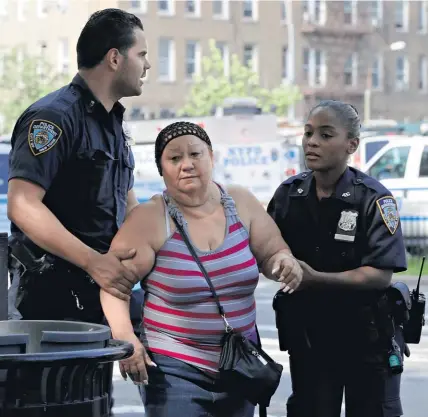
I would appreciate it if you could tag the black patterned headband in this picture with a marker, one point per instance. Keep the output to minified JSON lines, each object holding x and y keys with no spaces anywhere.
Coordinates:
{"x":173,"y":131}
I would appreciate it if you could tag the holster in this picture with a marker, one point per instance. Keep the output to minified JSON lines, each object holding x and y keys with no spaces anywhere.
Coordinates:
{"x":290,"y":322}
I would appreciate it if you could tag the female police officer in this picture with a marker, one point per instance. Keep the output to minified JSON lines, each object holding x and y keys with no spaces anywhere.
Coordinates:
{"x":344,"y":228}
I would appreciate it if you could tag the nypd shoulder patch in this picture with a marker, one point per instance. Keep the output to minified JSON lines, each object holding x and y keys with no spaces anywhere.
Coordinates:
{"x":389,"y":212}
{"x":42,"y":136}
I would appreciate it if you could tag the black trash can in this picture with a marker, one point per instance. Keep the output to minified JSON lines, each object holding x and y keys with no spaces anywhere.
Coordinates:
{"x":57,"y":368}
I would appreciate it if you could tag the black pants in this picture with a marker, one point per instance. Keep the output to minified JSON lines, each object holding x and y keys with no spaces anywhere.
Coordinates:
{"x":319,"y":382}
{"x":55,"y":295}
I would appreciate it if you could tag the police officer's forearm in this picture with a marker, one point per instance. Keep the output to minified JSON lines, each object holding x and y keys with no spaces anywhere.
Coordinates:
{"x":365,"y":277}
{"x":42,"y":227}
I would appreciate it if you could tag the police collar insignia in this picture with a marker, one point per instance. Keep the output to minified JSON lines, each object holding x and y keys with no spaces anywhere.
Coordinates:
{"x":389,"y":212}
{"x":347,"y":226}
{"x":42,"y":136}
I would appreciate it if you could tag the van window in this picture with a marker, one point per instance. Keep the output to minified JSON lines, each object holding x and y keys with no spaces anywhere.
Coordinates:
{"x":392,"y":164}
{"x":374,"y":147}
{"x":423,"y":170}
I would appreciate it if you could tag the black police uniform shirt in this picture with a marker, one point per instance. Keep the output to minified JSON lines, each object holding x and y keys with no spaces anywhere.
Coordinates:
{"x":358,"y":225}
{"x":68,"y":144}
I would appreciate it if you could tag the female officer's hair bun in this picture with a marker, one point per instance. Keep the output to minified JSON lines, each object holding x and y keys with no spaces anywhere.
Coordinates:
{"x":346,"y":113}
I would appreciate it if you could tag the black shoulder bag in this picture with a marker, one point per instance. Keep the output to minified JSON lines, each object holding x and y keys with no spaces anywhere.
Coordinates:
{"x":242,"y":363}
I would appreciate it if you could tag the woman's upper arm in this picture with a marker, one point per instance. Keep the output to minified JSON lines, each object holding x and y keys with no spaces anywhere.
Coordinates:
{"x":141,"y":231}
{"x":265,"y":237}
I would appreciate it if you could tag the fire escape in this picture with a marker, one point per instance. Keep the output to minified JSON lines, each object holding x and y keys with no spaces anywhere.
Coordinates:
{"x":334,"y":36}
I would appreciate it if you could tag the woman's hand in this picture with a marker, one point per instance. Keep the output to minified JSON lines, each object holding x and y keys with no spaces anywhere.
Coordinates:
{"x":287,"y":270}
{"x":135,"y":366}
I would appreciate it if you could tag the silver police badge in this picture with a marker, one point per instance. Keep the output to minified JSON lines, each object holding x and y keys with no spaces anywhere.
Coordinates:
{"x":348,"y":220}
{"x":347,"y":226}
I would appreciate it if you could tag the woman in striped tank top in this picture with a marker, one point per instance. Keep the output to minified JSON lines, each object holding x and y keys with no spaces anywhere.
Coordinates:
{"x":178,"y":355}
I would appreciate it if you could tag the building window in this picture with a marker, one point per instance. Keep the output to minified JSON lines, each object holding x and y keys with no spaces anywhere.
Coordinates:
{"x":250,"y":58}
{"x":314,"y":67}
{"x":22,"y":9}
{"x":401,"y":73}
{"x":166,"y":6}
{"x":422,"y":16}
{"x":377,"y":74}
{"x":283,"y":11}
{"x":224,"y":52}
{"x":314,"y":11}
{"x":376,"y":12}
{"x":63,"y":56}
{"x":306,"y":65}
{"x":192,"y":7}
{"x":62,"y":6}
{"x":42,"y":8}
{"x":350,"y":12}
{"x":3,"y":7}
{"x":249,"y":10}
{"x":401,"y":15}
{"x":220,"y":9}
{"x":350,"y":70}
{"x":284,"y":61}
{"x":193,"y":59}
{"x":139,"y":6}
{"x":422,"y":73}
{"x":166,"y":59}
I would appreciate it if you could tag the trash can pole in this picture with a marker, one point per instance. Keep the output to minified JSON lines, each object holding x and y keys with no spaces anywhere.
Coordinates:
{"x":3,"y":275}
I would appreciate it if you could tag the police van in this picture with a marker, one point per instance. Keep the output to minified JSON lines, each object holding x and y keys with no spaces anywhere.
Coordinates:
{"x":402,"y":167}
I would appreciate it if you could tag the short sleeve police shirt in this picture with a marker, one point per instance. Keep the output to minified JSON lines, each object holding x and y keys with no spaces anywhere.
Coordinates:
{"x":68,"y":144}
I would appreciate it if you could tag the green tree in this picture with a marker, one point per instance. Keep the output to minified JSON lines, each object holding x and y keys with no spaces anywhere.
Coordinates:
{"x":25,"y":78}
{"x":212,"y":86}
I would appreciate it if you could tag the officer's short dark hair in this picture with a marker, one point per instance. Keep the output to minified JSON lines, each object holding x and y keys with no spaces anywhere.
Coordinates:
{"x":346,"y":113}
{"x":106,"y":29}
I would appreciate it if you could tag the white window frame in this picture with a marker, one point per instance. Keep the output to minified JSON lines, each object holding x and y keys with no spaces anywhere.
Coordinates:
{"x":21,"y":8}
{"x":4,"y":6}
{"x":379,"y":69}
{"x":354,"y":70}
{"x":196,"y":59}
{"x":405,"y":15}
{"x":404,"y":84}
{"x":254,"y":8}
{"x":142,"y":8}
{"x":322,"y":68}
{"x":170,"y":77}
{"x":42,"y":9}
{"x":423,"y":73}
{"x":254,"y":57}
{"x":423,"y":16}
{"x":171,"y":8}
{"x":197,"y":12}
{"x":223,"y":47}
{"x":225,"y":10}
{"x":310,"y":14}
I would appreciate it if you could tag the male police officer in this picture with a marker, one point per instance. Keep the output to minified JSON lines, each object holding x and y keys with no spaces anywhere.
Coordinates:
{"x":71,"y":179}
{"x":344,"y":228}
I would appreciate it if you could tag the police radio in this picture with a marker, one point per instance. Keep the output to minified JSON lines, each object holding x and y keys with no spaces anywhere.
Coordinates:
{"x":413,"y":328}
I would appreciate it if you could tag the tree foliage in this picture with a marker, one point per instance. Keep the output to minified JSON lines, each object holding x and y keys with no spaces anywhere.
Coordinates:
{"x":212,"y":86}
{"x":25,"y":78}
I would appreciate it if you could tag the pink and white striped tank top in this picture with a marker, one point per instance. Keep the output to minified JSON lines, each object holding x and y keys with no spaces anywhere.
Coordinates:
{"x":180,"y":317}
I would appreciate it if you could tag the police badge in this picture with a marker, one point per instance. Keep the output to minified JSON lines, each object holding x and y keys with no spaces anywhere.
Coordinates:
{"x":42,"y":136}
{"x":389,"y":212}
{"x":347,"y":226}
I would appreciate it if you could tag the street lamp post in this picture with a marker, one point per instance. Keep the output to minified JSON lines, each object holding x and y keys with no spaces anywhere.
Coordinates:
{"x":394,"y":46}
